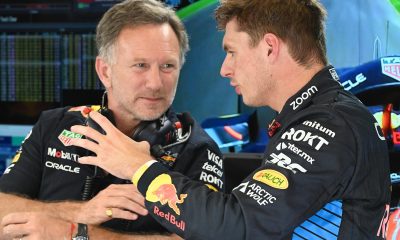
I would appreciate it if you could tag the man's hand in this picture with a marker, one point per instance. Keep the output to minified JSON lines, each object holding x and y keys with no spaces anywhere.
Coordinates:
{"x":119,"y":201}
{"x":34,"y":226}
{"x":115,"y":152}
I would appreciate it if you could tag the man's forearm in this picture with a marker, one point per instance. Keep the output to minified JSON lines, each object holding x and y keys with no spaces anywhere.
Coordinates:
{"x":9,"y":203}
{"x":69,"y":212}
{"x":65,"y":210}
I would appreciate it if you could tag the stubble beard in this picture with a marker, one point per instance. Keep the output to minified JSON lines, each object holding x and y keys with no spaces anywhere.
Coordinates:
{"x":144,"y":113}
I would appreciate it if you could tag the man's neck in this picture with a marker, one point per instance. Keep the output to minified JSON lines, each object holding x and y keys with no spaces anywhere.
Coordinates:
{"x":125,"y":124}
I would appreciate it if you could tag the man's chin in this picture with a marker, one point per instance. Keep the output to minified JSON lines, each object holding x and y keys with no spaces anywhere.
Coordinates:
{"x":149,"y":115}
{"x":247,"y":102}
{"x":250,"y":103}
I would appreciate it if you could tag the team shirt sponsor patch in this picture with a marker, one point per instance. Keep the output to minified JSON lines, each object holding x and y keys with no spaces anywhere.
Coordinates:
{"x":214,"y":158}
{"x":66,"y":136}
{"x":315,"y":141}
{"x":210,"y":178}
{"x":53,"y":152}
{"x":62,"y":167}
{"x":257,"y":193}
{"x":60,"y":154}
{"x":334,"y":74}
{"x":212,"y":170}
{"x":303,"y":97}
{"x":293,"y":148}
{"x":162,"y":190}
{"x":319,"y":127}
{"x":283,"y":161}
{"x":272,"y":178}
{"x":170,"y":218}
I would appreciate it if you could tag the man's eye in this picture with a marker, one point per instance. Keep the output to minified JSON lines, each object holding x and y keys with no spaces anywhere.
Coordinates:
{"x":140,"y":65}
{"x":231,"y":53}
{"x":167,"y":65}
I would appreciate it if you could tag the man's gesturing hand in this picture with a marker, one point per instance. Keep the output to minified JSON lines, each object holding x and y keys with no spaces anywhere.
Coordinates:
{"x":115,"y":152}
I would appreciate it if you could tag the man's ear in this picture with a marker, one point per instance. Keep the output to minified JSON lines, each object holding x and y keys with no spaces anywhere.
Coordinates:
{"x":272,"y":45}
{"x":103,"y":70}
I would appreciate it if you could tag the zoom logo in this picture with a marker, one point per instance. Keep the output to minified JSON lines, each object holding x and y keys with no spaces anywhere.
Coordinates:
{"x":303,"y":97}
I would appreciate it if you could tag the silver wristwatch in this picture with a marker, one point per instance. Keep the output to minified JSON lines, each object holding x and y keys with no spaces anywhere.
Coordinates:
{"x":82,"y":232}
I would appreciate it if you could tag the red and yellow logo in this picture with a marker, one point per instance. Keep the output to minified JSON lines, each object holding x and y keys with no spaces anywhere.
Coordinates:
{"x":162,"y":190}
{"x":85,"y":110}
{"x":168,"y":158}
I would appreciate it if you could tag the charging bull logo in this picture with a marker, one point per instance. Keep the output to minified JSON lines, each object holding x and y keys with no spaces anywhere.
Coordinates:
{"x":166,"y":193}
{"x":162,"y":190}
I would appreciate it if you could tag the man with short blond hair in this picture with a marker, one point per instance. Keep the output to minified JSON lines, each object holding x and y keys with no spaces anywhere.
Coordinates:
{"x":142,"y":46}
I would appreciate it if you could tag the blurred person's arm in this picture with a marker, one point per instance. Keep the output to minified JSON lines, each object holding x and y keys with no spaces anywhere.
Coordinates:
{"x":39,"y":225}
{"x":123,"y":199}
{"x":22,"y":216}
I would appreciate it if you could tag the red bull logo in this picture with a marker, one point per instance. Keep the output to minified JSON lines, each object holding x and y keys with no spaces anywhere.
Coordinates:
{"x":162,"y":190}
{"x":166,"y":194}
{"x":170,"y":218}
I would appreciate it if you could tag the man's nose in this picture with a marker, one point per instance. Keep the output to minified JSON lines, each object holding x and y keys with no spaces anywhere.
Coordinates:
{"x":154,"y":79}
{"x":226,"y":69}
